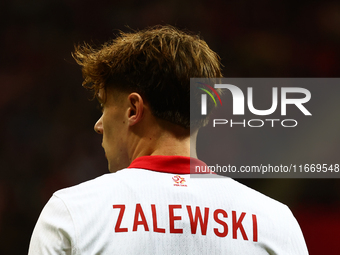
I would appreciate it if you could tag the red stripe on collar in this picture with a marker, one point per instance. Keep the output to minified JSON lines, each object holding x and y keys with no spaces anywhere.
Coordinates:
{"x":171,"y":164}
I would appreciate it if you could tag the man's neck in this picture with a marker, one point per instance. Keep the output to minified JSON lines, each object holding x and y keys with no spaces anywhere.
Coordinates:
{"x":172,"y":140}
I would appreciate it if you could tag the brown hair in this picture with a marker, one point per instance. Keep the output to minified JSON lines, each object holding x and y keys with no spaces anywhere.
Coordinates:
{"x":157,"y":63}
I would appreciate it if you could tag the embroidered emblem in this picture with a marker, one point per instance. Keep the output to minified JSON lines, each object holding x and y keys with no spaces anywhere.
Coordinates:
{"x":179,"y":181}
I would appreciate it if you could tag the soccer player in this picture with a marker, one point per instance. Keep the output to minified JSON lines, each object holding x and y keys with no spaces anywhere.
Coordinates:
{"x":149,"y":204}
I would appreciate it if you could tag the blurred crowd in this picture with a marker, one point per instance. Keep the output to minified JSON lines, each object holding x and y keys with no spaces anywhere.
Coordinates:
{"x":47,"y":139}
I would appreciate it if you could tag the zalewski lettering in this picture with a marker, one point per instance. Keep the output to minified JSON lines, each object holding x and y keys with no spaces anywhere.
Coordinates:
{"x":197,"y":216}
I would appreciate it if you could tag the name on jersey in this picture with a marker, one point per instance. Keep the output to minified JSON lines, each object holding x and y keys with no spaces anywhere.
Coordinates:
{"x":231,"y":223}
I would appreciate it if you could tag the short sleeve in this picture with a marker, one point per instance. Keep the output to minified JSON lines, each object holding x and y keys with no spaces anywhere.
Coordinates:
{"x":297,"y":244}
{"x":54,"y":232}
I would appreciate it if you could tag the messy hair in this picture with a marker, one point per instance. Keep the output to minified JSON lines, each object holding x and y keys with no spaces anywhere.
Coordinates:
{"x":157,"y":63}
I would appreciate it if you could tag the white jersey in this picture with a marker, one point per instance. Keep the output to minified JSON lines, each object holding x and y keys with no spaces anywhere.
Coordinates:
{"x":156,"y":207}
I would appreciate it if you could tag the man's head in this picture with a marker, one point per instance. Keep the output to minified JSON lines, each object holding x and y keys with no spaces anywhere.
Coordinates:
{"x":157,"y":63}
{"x":143,"y":80}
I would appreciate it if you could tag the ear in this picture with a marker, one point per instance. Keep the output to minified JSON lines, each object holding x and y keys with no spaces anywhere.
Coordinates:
{"x":136,"y":108}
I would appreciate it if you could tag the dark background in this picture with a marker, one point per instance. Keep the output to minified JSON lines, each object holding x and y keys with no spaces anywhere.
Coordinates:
{"x":47,"y":139}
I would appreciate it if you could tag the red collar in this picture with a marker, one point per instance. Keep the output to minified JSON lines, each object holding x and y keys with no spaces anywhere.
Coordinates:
{"x":171,"y":164}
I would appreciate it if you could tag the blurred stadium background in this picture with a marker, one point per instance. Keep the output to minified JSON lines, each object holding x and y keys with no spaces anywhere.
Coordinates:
{"x":47,"y":139}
